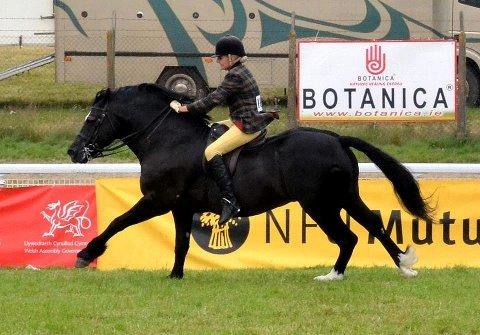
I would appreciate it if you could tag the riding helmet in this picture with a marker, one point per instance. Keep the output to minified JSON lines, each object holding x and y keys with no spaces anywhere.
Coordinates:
{"x":229,"y":45}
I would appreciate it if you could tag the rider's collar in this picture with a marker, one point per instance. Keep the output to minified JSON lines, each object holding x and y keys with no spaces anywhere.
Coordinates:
{"x":235,"y":65}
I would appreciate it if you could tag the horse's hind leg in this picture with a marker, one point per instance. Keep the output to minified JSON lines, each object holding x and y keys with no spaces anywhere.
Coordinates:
{"x":183,"y":228}
{"x":329,"y":220}
{"x":373,"y":223}
{"x":143,"y":210}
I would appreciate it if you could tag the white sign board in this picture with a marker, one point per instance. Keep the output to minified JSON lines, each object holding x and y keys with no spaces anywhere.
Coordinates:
{"x":376,"y":80}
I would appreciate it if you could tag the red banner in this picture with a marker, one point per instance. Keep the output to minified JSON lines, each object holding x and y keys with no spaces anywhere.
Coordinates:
{"x":45,"y":226}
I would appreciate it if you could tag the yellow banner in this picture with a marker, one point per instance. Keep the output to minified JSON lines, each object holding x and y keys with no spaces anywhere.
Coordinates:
{"x":286,"y":237}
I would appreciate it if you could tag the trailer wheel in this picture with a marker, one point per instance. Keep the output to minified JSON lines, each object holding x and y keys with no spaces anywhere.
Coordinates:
{"x":184,"y":81}
{"x":473,"y":87}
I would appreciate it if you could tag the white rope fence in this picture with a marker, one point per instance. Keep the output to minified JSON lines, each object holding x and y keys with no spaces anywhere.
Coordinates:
{"x":419,"y":168}
{"x":69,"y":168}
{"x":132,"y":168}
{"x":25,"y":175}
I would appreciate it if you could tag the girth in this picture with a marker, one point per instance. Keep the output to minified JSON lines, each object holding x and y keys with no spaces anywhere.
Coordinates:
{"x":231,"y":158}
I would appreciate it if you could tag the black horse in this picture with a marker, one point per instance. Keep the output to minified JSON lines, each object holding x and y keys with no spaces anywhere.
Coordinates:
{"x":316,"y":168}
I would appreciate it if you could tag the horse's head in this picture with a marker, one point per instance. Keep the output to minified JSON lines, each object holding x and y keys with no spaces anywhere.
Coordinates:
{"x":97,"y":132}
{"x":129,"y":114}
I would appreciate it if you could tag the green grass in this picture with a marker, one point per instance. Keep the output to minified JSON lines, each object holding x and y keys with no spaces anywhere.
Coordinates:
{"x":37,"y":88}
{"x":14,"y":55}
{"x":44,"y":134}
{"x":368,"y":301}
{"x":39,"y":119}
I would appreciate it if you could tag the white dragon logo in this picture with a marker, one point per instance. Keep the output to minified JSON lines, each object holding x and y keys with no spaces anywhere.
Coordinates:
{"x":69,"y":216}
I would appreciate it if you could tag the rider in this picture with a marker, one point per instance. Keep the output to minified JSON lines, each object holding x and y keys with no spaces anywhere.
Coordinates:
{"x":247,"y":117}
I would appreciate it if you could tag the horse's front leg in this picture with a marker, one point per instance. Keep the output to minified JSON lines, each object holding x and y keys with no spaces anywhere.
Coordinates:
{"x":143,"y":210}
{"x":183,"y":228}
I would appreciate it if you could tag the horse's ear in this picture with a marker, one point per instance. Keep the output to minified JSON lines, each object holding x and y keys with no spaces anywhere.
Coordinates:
{"x":102,"y":94}
{"x":148,"y":87}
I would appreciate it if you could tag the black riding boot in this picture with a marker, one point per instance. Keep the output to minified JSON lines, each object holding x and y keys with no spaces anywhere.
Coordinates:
{"x":221,"y":175}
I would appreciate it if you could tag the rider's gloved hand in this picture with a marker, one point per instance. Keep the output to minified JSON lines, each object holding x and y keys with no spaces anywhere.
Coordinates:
{"x":177,"y":107}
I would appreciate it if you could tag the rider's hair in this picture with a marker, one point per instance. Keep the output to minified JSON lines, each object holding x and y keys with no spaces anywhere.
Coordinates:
{"x":234,"y":59}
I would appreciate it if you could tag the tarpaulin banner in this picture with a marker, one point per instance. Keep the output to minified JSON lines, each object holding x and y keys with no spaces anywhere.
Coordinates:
{"x":45,"y":226}
{"x":287,"y":237}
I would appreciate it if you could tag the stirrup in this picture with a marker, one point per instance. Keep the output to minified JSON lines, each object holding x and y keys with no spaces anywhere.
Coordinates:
{"x":229,"y":210}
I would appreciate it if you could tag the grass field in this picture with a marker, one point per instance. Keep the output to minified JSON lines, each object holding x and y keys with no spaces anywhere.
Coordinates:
{"x":37,"y":88}
{"x":44,"y":134}
{"x":368,"y":301}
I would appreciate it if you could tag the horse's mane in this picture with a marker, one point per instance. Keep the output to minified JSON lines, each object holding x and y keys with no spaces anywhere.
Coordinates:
{"x":159,"y":91}
{"x":106,"y":93}
{"x":169,"y":94}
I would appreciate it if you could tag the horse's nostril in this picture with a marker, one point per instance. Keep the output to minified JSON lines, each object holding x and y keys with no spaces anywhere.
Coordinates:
{"x":70,"y":152}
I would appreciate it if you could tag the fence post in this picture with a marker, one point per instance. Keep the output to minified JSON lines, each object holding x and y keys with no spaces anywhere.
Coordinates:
{"x":292,"y":58}
{"x":462,"y":105}
{"x":111,"y":59}
{"x":111,"y":53}
{"x":20,"y":41}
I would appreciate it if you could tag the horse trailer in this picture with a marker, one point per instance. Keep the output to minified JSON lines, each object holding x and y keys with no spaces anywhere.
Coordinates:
{"x":169,"y":41}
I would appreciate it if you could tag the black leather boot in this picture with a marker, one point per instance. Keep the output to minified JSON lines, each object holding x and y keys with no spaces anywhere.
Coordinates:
{"x":221,"y":175}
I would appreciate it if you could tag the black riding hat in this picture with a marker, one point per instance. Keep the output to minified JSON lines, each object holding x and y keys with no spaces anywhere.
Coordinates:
{"x":229,"y":45}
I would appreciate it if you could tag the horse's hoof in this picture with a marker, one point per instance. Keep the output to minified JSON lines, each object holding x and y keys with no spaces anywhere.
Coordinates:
{"x":175,"y":276}
{"x":406,"y":261}
{"x":81,"y":263}
{"x":333,"y":275}
{"x":407,"y":273}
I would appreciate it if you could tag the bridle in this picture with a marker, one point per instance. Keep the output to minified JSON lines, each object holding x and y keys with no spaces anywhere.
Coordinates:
{"x":92,"y":150}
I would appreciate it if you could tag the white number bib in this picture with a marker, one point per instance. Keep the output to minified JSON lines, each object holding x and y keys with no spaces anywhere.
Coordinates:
{"x":258,"y":98}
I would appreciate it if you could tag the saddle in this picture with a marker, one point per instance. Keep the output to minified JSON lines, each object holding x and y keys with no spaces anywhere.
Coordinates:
{"x":231,"y":158}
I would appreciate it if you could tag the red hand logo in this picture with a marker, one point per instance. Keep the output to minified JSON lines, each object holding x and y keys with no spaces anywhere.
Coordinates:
{"x":375,"y":60}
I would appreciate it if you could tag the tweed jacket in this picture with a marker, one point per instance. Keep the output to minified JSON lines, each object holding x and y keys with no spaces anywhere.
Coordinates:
{"x":240,"y":91}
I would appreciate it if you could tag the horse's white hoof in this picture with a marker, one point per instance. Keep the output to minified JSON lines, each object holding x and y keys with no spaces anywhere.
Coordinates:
{"x":407,"y":273}
{"x":331,"y":276}
{"x":406,"y":261}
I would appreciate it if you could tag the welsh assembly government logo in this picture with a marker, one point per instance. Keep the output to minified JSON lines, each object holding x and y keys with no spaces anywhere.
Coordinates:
{"x":219,"y":240}
{"x":375,"y":60}
{"x":71,"y":217}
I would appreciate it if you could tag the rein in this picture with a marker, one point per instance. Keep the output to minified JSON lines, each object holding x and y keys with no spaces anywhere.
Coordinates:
{"x":93,"y":151}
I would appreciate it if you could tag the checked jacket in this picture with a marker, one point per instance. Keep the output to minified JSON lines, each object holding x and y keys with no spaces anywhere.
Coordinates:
{"x":240,"y":91}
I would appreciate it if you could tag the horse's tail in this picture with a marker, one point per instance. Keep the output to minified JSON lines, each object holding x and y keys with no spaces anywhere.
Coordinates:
{"x":405,"y":185}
